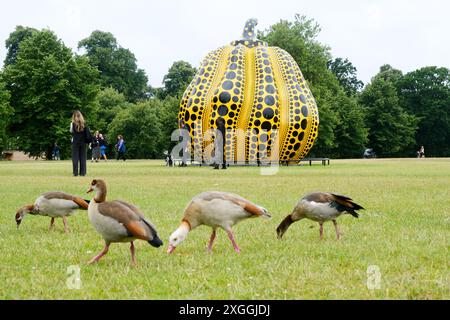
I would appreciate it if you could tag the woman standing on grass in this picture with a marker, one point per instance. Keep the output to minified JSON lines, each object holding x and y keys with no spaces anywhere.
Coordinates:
{"x":120,"y":148}
{"x":80,"y":136}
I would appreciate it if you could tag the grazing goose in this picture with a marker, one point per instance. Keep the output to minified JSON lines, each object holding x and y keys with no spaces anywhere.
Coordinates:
{"x":53,"y":204}
{"x":217,"y":210}
{"x":118,"y":221}
{"x":320,"y":207}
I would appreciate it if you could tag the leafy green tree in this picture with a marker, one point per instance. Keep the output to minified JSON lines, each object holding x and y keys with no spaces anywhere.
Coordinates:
{"x":5,"y":113}
{"x":109,"y":102}
{"x":336,"y":137}
{"x":140,"y":126}
{"x":351,"y":132}
{"x":117,"y":65}
{"x":168,"y":117}
{"x":345,"y":72}
{"x":388,"y":73}
{"x":47,"y":82}
{"x":178,"y":78}
{"x":13,"y":43}
{"x":391,"y":128}
{"x":426,"y":94}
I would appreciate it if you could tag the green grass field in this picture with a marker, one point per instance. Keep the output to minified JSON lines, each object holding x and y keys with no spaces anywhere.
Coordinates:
{"x":404,"y":232}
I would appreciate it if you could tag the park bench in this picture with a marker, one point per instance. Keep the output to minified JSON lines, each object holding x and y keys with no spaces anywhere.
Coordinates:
{"x":324,"y":161}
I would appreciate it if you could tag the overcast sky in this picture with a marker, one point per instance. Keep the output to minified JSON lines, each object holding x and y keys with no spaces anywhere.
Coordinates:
{"x":407,"y":34}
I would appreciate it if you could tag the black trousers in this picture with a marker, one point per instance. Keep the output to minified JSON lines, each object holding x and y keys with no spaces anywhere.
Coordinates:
{"x":121,"y":155}
{"x":79,"y":156}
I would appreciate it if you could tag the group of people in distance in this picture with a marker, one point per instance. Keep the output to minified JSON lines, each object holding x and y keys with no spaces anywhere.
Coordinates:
{"x":98,"y":147}
{"x":81,"y":137}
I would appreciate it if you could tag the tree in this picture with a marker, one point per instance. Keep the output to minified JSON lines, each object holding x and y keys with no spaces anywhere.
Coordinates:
{"x":117,"y":66}
{"x":168,"y":117}
{"x":336,"y":138}
{"x":351,"y":132}
{"x":426,"y":94}
{"x":47,"y":82}
{"x":139,"y":124}
{"x":109,"y":102}
{"x":178,"y":78}
{"x":391,"y":128}
{"x":13,"y":43}
{"x":388,"y":73}
{"x":345,"y":72}
{"x":5,"y":113}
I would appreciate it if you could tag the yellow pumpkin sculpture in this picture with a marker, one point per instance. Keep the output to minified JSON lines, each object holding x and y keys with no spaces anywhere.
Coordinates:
{"x":257,"y":90}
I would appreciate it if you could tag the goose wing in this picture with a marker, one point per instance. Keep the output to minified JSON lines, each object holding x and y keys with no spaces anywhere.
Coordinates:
{"x":80,"y":203}
{"x":124,"y":213}
{"x":247,"y":205}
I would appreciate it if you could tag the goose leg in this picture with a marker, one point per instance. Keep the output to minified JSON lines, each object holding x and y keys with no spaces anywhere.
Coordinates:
{"x":66,"y":227}
{"x":101,"y":254}
{"x":133,"y":256}
{"x":338,"y":233}
{"x":321,"y":230}
{"x":52,"y":224}
{"x":211,"y":240}
{"x":231,"y":236}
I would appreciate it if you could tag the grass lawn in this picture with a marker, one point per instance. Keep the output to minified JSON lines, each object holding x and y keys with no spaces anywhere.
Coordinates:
{"x":404,"y":232}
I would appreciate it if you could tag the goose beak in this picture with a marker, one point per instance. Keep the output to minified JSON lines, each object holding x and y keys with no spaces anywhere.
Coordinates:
{"x":170,"y":249}
{"x":90,"y":189}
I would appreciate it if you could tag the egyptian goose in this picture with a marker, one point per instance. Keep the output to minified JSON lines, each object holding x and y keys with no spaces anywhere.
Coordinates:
{"x":118,"y":221}
{"x":217,"y":210}
{"x":320,"y":207}
{"x":54,"y":204}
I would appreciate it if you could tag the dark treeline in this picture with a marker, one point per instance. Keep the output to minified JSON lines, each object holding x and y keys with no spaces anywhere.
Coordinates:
{"x":43,"y":81}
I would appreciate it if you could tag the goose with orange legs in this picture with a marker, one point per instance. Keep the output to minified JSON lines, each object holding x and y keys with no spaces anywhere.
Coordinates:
{"x":118,"y":221}
{"x":54,"y":204}
{"x":320,"y":207}
{"x":217,"y":210}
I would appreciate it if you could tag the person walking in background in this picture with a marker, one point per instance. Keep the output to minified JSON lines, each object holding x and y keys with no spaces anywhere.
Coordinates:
{"x":80,"y":136}
{"x":184,"y":135}
{"x":120,"y":148}
{"x":103,"y":144}
{"x":219,"y":144}
{"x":56,"y":152}
{"x":421,"y":152}
{"x":95,"y":146}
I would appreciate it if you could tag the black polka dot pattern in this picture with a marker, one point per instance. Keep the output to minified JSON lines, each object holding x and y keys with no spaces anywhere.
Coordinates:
{"x":194,"y":106}
{"x":303,"y":117}
{"x":219,"y":88}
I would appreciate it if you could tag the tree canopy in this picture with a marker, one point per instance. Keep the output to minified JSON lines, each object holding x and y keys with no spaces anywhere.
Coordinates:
{"x":391,"y":128}
{"x":178,"y":78}
{"x":5,"y":113}
{"x":47,"y":82}
{"x":117,"y":66}
{"x":345,"y":73}
{"x":43,"y":81}
{"x":13,"y":43}
{"x":336,"y":136}
{"x":426,"y":94}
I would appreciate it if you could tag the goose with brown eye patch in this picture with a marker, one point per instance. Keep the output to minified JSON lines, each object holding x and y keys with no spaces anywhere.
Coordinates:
{"x":118,"y":221}
{"x":320,"y":207}
{"x":54,"y":204}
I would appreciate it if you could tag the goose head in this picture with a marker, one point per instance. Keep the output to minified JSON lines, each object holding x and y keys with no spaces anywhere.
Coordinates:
{"x":22,"y":212}
{"x":177,"y":237}
{"x":99,"y":186}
